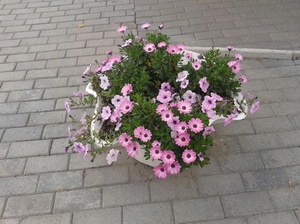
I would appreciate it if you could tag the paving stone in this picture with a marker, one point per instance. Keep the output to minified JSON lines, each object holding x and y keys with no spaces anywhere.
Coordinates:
{"x":270,"y":96}
{"x":272,"y":124}
{"x":293,"y":174}
{"x":3,"y":149}
{"x":18,"y":185}
{"x":72,"y":71}
{"x":292,"y":93}
{"x":14,"y":50}
{"x":281,"y":157}
{"x":64,"y":62}
{"x":7,"y":67}
{"x":271,"y":63}
{"x":9,"y":43}
{"x":51,"y":55}
{"x":55,"y":131}
{"x":50,"y":82}
{"x":31,"y":65}
{"x":3,"y":97}
{"x":285,"y":198}
{"x":286,"y":108}
{"x":44,"y":164}
{"x":22,"y":134}
{"x":8,"y":76}
{"x":210,"y":169}
{"x":77,"y":200}
{"x":274,"y":218}
{"x":235,"y":128}
{"x":290,"y":138}
{"x":9,"y":108}
{"x":28,"y":148}
{"x":20,"y":57}
{"x":28,"y":205}
{"x":100,"y":216}
{"x":225,"y":221}
{"x":282,"y":83}
{"x":77,"y":162}
{"x":61,"y":218}
{"x":197,"y":209}
{"x":246,"y":204}
{"x":34,"y":41}
{"x":125,"y":194}
{"x":223,"y":145}
{"x":61,"y":181}
{"x":9,"y":221}
{"x":58,"y":145}
{"x":59,"y":92}
{"x":37,"y":106}
{"x":231,"y":183}
{"x":148,"y":213}
{"x":17,"y":85}
{"x":41,"y":73}
{"x":106,"y":176}
{"x":72,"y":45}
{"x":50,"y":117}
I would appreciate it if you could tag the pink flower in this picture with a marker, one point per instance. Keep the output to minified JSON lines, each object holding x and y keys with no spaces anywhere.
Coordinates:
{"x":155,"y":152}
{"x":149,"y":48}
{"x":173,"y":168}
{"x":201,"y":156}
{"x":133,"y":149}
{"x":70,"y":131}
{"x":118,"y":126}
{"x":138,"y":132}
{"x":229,"y":119}
{"x":173,"y":104}
{"x":195,"y":125}
{"x":238,"y":57}
{"x":166,"y":86}
{"x":115,"y":116}
{"x":126,"y":106}
{"x":173,"y":122}
{"x":127,"y":88}
{"x":117,"y":100}
{"x":145,"y":26}
{"x":229,"y":48}
{"x":106,"y":112}
{"x":208,"y":130}
{"x":182,"y":76}
{"x":112,"y":156}
{"x":168,"y":157}
{"x":106,"y":67}
{"x":116,"y":59}
{"x":122,"y":29}
{"x":216,"y":97}
{"x":67,"y":107}
{"x":190,"y":96}
{"x":79,"y":147}
{"x":104,"y":82}
{"x":235,"y":66}
{"x":181,"y":127}
{"x":208,"y":103}
{"x":167,"y":115}
{"x":80,"y":93}
{"x":160,"y":108}
{"x":184,"y":107}
{"x":164,"y":96}
{"x":86,"y":150}
{"x":181,"y":47}
{"x":127,"y":43}
{"x":160,"y":26}
{"x":188,"y":56}
{"x":254,"y":107}
{"x":184,"y":84}
{"x":98,"y":69}
{"x":161,"y":44}
{"x":243,"y":79}
{"x":83,"y":118}
{"x":196,"y":65}
{"x":204,"y":84}
{"x":146,"y":136}
{"x":173,"y":49}
{"x":189,"y":156}
{"x":160,"y":171}
{"x":124,"y":139}
{"x":182,"y":139}
{"x":86,"y":71}
{"x":156,"y":143}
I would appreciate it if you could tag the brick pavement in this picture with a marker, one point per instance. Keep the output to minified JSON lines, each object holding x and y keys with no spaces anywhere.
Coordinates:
{"x":254,"y":175}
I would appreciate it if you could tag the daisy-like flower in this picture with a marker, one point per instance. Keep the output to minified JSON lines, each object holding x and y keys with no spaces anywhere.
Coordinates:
{"x":138,"y":132}
{"x":67,"y":107}
{"x":204,"y":84}
{"x":104,"y":62}
{"x":195,"y":125}
{"x":127,"y":88}
{"x":122,"y":29}
{"x":160,"y":171}
{"x":79,"y":147}
{"x":254,"y":107}
{"x":208,"y":103}
{"x":160,"y":108}
{"x":188,"y":56}
{"x":165,"y":86}
{"x":238,"y":57}
{"x":149,"y":48}
{"x":160,"y":26}
{"x":164,"y":96}
{"x":229,"y":48}
{"x":182,"y":76}
{"x":210,"y":113}
{"x":243,"y":79}
{"x":184,"y":84}
{"x":167,"y":115}
{"x":196,"y":65}
{"x":189,"y":156}
{"x":127,"y":43}
{"x":106,"y":67}
{"x":182,"y":139}
{"x":208,"y":130}
{"x":106,"y":113}
{"x":173,"y":122}
{"x":104,"y":82}
{"x":133,"y":149}
{"x":155,"y":152}
{"x":172,"y":49}
{"x":181,"y":127}
{"x":109,"y":52}
{"x":116,"y":100}
{"x":115,"y":116}
{"x":116,"y":59}
{"x":229,"y":119}
{"x":235,"y":66}
{"x":173,"y":168}
{"x":124,"y":139}
{"x":161,"y":44}
{"x":86,"y":71}
{"x":190,"y":96}
{"x":126,"y":106}
{"x":112,"y":156}
{"x":168,"y":157}
{"x":156,"y":143}
{"x":184,"y":107}
{"x":201,"y":156}
{"x":173,"y":104}
{"x":181,"y":47}
{"x":146,"y":136}
{"x":145,"y":26}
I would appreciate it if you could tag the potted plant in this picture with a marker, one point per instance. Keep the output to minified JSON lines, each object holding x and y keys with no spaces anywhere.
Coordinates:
{"x":159,"y":101}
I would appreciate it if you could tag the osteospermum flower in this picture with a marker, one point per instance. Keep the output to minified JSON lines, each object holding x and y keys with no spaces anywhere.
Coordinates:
{"x":156,"y":143}
{"x":181,"y":47}
{"x":182,"y":139}
{"x":181,"y":127}
{"x":182,"y":76}
{"x":167,"y":115}
{"x":196,"y":65}
{"x":127,"y":43}
{"x":149,"y":48}
{"x":138,"y":132}
{"x":195,"y":125}
{"x":184,"y":84}
{"x":116,"y":59}
{"x":203,"y":84}
{"x":243,"y":79}
{"x":188,"y":56}
{"x":238,"y":57}
{"x":173,"y":168}
{"x":208,"y":130}
{"x":201,"y":156}
{"x":124,"y":139}
{"x":112,"y":156}
{"x":160,"y":108}
{"x":190,"y":96}
{"x":116,"y":100}
{"x":145,"y":26}
{"x":184,"y":107}
{"x":161,"y":44}
{"x":146,"y":135}
{"x":104,"y":82}
{"x":235,"y":66}
{"x":115,"y":116}
{"x":189,"y":156}
{"x":127,"y":88}
{"x":122,"y":29}
{"x":160,"y":171}
{"x":229,"y":48}
{"x":106,"y":112}
{"x":168,"y":157}
{"x":160,"y":26}
{"x":254,"y":107}
{"x":173,"y":122}
{"x":172,"y":49}
{"x":133,"y":149}
{"x":126,"y":106}
{"x":155,"y":152}
{"x":164,"y":96}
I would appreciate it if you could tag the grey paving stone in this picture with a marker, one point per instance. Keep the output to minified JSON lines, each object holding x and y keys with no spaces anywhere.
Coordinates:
{"x":59,"y":92}
{"x":64,"y":62}
{"x":25,"y":95}
{"x":276,"y":218}
{"x":55,"y":131}
{"x":290,"y":138}
{"x":106,"y":176}
{"x":9,"y":43}
{"x":210,"y":169}
{"x":265,"y":179}
{"x":292,"y":93}
{"x":235,"y":128}
{"x":293,"y":174}
{"x":224,"y":145}
{"x":61,"y":39}
{"x":61,"y":181}
{"x":148,"y":213}
{"x":20,"y":57}
{"x":50,"y":117}
{"x":18,"y":185}
{"x":8,"y":76}
{"x":77,"y":162}
{"x":285,"y":198}
{"x":62,"y":218}
{"x":50,"y":82}
{"x":77,"y":200}
{"x":9,"y":108}
{"x":225,"y":221}
{"x":125,"y":194}
{"x":14,"y":50}
{"x":3,"y":97}
{"x":210,"y":185}
{"x":272,"y":124}
{"x":197,"y":209}
{"x":22,"y":134}
{"x":13,"y":120}
{"x":28,"y":148}
{"x":72,"y":71}
{"x":286,"y":108}
{"x":100,"y":216}
{"x":246,"y":204}
{"x":37,"y":106}
{"x":3,"y":149}
{"x":9,"y":221}
{"x":72,"y":45}
{"x":44,"y":164}
{"x":280,"y":157}
{"x":241,"y":162}
{"x":270,"y":96}
{"x":7,"y":67}
{"x":58,"y":145}
{"x":41,"y":73}
{"x":28,"y":205}
{"x":17,"y":85}
{"x":51,"y":55}
{"x":271,"y":63}
{"x":282,"y":83}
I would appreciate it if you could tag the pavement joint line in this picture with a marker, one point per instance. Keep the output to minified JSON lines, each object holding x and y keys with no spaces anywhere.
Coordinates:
{"x":253,"y":53}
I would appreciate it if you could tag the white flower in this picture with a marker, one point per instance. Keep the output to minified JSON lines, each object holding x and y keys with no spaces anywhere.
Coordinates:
{"x":112,"y":156}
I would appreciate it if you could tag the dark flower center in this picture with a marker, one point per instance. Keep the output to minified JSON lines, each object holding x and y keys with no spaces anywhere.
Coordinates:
{"x":127,"y":107}
{"x":173,"y":165}
{"x":188,"y":156}
{"x":134,"y":148}
{"x":156,"y":151}
{"x":195,"y":126}
{"x":183,"y":107}
{"x":183,"y":139}
{"x":162,"y":169}
{"x":168,"y":157}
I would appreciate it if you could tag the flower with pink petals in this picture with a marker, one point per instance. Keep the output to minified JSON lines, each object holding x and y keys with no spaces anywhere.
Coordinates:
{"x":254,"y":107}
{"x":184,"y":84}
{"x":160,"y":108}
{"x":156,"y":143}
{"x":196,"y":65}
{"x":229,"y":119}
{"x":83,"y":118}
{"x":164,"y":96}
{"x":181,"y":127}
{"x":238,"y":57}
{"x":173,"y":168}
{"x":235,"y":66}
{"x":155,"y":152}
{"x":243,"y":79}
{"x":86,"y":150}
{"x":127,"y":88}
{"x":172,"y":49}
{"x":208,"y":130}
{"x":122,"y":29}
{"x":216,"y":97}
{"x":188,"y":56}
{"x":70,"y":131}
{"x":190,"y":96}
{"x":112,"y":156}
{"x":116,"y":59}
{"x":160,"y":171}
{"x":80,"y":93}
{"x":118,"y":126}
{"x":106,"y":112}
{"x":189,"y":156}
{"x":161,"y":44}
{"x":167,"y":115}
{"x":173,"y":104}
{"x":115,"y":116}
{"x":67,"y":107}
{"x":173,"y":122}
{"x":145,"y":26}
{"x":184,"y":107}
{"x":182,"y":139}
{"x":98,"y":69}
{"x":117,"y":100}
{"x":79,"y":147}
{"x":146,"y":135}
{"x":182,"y":76}
{"x":166,"y":86}
{"x":127,"y":43}
{"x":204,"y":84}
{"x":104,"y":82}
{"x":86,"y":71}
{"x":126,"y":106}
{"x":160,"y":26}
{"x":181,"y":47}
{"x":124,"y":139}
{"x":168,"y":157}
{"x":208,"y":103}
{"x":229,"y":48}
{"x":133,"y":149}
{"x":138,"y":132}
{"x":201,"y":156}
{"x":195,"y":125}
{"x":106,"y":67}
{"x":149,"y":48}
